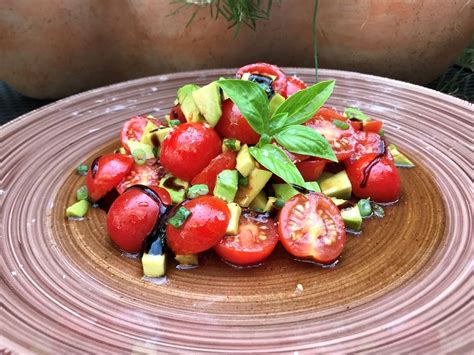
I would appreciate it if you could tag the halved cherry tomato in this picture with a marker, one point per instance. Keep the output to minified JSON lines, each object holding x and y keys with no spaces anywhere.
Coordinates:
{"x":279,"y":84}
{"x":372,"y":126}
{"x":311,"y":227}
{"x":148,"y":174}
{"x":105,"y":173}
{"x":366,"y":143}
{"x":133,"y":129}
{"x":295,"y":84}
{"x":357,"y":125}
{"x":312,"y":169}
{"x":188,"y":149}
{"x":341,"y":140}
{"x":177,"y":114}
{"x":375,"y":176}
{"x":133,"y":215}
{"x":224,"y":161}
{"x":255,"y":241}
{"x":203,"y":229}
{"x":294,"y":157}
{"x":233,"y":125}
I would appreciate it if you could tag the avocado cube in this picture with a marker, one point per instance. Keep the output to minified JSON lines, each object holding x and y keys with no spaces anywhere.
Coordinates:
{"x":270,"y":205}
{"x":227,"y":184}
{"x":78,"y":209}
{"x":275,"y":101}
{"x":245,"y":162}
{"x":352,"y":218}
{"x":337,"y":185}
{"x":259,"y":202}
{"x":338,"y":202}
{"x":400,"y":159}
{"x":150,"y":128}
{"x":176,"y":187}
{"x":208,"y":101}
{"x":257,"y":181}
{"x":235,"y":212}
{"x":154,"y":265}
{"x":284,"y":191}
{"x":185,"y":91}
{"x":187,"y":259}
{"x":147,"y":149}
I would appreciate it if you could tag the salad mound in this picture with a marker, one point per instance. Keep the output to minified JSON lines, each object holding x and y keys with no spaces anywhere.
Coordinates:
{"x":238,"y":166}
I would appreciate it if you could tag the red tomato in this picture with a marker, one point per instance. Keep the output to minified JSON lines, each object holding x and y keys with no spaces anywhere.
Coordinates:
{"x":177,"y":114}
{"x":375,"y":176}
{"x":372,"y":126}
{"x":105,"y":173}
{"x":357,"y":125}
{"x":224,"y":161}
{"x":311,"y":227}
{"x":203,"y":229}
{"x":148,"y":174}
{"x":341,"y":140}
{"x":255,"y":241}
{"x":295,"y":84}
{"x":133,"y":129}
{"x":312,"y":169}
{"x":233,"y":125}
{"x":188,"y":149}
{"x":366,"y":143}
{"x":133,"y":215}
{"x":279,"y":84}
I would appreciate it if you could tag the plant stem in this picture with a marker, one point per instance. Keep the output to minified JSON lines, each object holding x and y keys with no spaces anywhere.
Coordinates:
{"x":315,"y":40}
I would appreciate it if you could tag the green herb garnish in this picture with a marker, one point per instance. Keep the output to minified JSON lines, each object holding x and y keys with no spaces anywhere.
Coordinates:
{"x":181,"y":215}
{"x":364,"y":207}
{"x":197,"y":190}
{"x":173,"y":123}
{"x":378,"y":210}
{"x":354,"y":113}
{"x":82,"y":170}
{"x":81,"y":193}
{"x":231,"y":144}
{"x":243,"y":181}
{"x":139,"y":156}
{"x":341,"y":124}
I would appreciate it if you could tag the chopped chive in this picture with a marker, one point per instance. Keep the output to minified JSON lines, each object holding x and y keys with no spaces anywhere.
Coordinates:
{"x":279,"y":203}
{"x":341,"y":124}
{"x":81,"y":193}
{"x":352,"y":112}
{"x":364,"y":207}
{"x":382,"y":133}
{"x":230,"y":143}
{"x":82,"y":170}
{"x":198,"y":190}
{"x":243,"y":181}
{"x":378,"y":210}
{"x":173,"y":123}
{"x":178,"y":219}
{"x":140,"y":156}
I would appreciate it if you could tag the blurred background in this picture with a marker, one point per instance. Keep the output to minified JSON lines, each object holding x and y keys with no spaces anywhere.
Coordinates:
{"x":50,"y":49}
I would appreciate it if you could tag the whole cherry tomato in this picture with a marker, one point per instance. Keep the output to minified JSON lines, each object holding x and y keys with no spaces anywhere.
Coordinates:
{"x":279,"y":84}
{"x":233,"y":125}
{"x":224,"y":161}
{"x":133,"y":129}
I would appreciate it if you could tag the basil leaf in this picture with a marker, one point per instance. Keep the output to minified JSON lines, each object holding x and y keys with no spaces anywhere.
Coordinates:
{"x":251,"y":100}
{"x":302,"y":105}
{"x":277,"y":122}
{"x":305,"y":140}
{"x":275,"y":160}
{"x":351,"y":112}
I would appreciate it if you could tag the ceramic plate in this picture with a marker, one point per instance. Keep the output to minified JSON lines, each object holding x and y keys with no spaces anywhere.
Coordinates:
{"x":401,"y":286}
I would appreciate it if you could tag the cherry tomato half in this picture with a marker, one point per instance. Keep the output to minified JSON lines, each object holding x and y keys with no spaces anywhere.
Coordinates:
{"x":224,"y":161}
{"x":148,"y":174}
{"x":366,"y":143}
{"x":375,"y":176}
{"x":177,"y":114}
{"x":133,"y":215}
{"x":295,"y":84}
{"x":203,"y":229}
{"x":341,"y":140}
{"x":188,"y":149}
{"x":255,"y":241}
{"x":105,"y":173}
{"x":279,"y":84}
{"x":312,"y":169}
{"x":133,"y":129}
{"x":233,"y":125}
{"x":311,"y":227}
{"x":372,"y":126}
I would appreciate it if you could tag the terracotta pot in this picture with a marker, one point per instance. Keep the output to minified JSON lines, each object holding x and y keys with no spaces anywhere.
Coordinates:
{"x":59,"y":47}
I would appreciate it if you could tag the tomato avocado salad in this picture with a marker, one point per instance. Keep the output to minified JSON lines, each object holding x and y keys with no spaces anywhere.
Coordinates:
{"x":239,"y":165}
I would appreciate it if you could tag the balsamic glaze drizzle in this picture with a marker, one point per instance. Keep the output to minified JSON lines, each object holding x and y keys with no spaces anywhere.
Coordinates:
{"x":369,"y":168}
{"x":95,"y":167}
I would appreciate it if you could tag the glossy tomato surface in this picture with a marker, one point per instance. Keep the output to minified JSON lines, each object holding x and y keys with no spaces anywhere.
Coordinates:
{"x":341,"y":140}
{"x":148,"y":174}
{"x":375,"y":176}
{"x":188,"y":149}
{"x":133,"y":129}
{"x":224,"y":161}
{"x":295,"y":84}
{"x":367,"y":143}
{"x":233,"y":125}
{"x":105,"y":173}
{"x":279,"y":84}
{"x":312,"y":169}
{"x":311,"y":227}
{"x":203,"y":229}
{"x":133,"y":215}
{"x":177,"y":114}
{"x":255,"y":241}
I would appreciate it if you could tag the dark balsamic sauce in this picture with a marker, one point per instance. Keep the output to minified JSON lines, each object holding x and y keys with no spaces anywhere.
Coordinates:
{"x":170,"y":183}
{"x":369,"y":168}
{"x":105,"y":202}
{"x":154,"y":140}
{"x":95,"y":167}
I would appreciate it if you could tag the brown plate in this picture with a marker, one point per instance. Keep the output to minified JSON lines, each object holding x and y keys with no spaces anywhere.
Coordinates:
{"x":403,"y":285}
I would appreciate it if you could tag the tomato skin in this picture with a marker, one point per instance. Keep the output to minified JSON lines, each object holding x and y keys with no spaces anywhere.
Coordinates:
{"x":233,"y":125}
{"x":132,"y":216}
{"x":312,"y":169}
{"x":208,"y":176}
{"x":203,"y":229}
{"x":311,"y":227}
{"x":279,"y":84}
{"x":383,"y":182}
{"x":177,"y":114}
{"x":109,"y":170}
{"x":357,"y":125}
{"x":133,"y":129}
{"x":255,"y":241}
{"x":295,"y":84}
{"x":341,"y":140}
{"x":188,"y":149}
{"x":372,"y":126}
{"x":148,"y":174}
{"x":367,"y":143}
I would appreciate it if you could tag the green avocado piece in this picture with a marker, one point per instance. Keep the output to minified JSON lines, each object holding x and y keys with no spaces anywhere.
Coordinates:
{"x":154,"y":265}
{"x":400,"y":159}
{"x":337,"y":185}
{"x":271,"y":204}
{"x":147,"y":149}
{"x":186,"y":90}
{"x":187,"y":259}
{"x":245,"y":162}
{"x":208,"y":101}
{"x":338,"y":202}
{"x":230,"y":144}
{"x":352,"y":218}
{"x":235,"y":212}
{"x":188,"y":106}
{"x":258,"y":178}
{"x":259,"y":202}
{"x":275,"y":101}
{"x":149,"y":130}
{"x":227,"y":184}
{"x":284,"y":191}
{"x":78,"y":209}
{"x":176,"y":187}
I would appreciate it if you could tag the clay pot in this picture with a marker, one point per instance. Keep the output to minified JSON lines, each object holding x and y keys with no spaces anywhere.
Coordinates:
{"x":55,"y":48}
